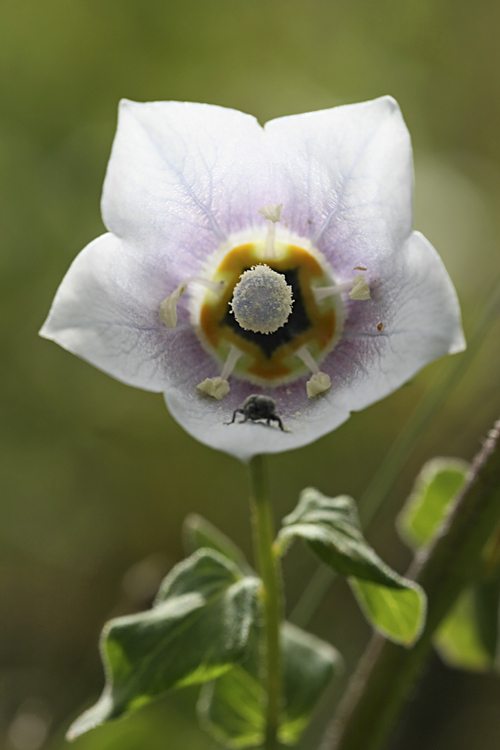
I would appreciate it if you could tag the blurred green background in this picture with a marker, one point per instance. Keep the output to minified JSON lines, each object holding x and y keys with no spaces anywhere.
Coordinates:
{"x":95,"y":476}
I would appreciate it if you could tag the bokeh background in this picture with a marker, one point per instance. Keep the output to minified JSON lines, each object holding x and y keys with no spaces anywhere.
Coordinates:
{"x":96,"y":477}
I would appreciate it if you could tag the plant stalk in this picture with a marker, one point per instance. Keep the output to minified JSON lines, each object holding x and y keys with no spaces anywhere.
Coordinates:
{"x":272,"y":597}
{"x":387,"y":673}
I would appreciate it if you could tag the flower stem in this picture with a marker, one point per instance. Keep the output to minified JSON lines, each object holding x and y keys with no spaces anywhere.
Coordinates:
{"x":270,"y":574}
{"x":386,"y":673}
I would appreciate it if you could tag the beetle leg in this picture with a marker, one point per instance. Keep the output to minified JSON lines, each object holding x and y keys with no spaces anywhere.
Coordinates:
{"x":278,"y":420}
{"x":235,"y":412}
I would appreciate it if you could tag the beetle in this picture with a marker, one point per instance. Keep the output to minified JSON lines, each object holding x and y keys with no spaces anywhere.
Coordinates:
{"x":257,"y":407}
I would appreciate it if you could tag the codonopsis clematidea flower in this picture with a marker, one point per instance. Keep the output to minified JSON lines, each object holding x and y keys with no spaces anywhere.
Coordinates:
{"x":276,"y":260}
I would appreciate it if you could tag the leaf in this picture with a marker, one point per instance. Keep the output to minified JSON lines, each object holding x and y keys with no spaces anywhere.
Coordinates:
{"x":399,"y":614}
{"x":434,"y":491}
{"x":458,"y":640}
{"x":394,"y":605}
{"x":197,"y":629}
{"x":231,"y":708}
{"x":332,"y":529}
{"x":468,"y":637}
{"x":199,"y":533}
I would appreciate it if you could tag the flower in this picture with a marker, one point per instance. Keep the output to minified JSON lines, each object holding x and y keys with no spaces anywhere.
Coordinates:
{"x":243,"y":259}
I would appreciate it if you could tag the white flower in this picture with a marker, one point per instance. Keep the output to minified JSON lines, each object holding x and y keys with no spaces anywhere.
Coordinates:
{"x":196,"y":196}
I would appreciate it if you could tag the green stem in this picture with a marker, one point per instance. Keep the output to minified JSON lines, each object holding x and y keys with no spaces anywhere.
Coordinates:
{"x":387,"y":672}
{"x":269,"y":570}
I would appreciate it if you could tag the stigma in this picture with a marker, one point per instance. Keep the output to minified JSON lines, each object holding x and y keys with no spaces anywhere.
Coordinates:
{"x":262,"y":300}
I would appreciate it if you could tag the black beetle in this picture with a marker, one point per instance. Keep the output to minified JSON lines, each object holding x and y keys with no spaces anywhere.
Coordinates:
{"x":257,"y":407}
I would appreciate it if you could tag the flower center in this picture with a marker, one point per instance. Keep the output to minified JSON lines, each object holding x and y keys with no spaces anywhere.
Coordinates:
{"x":267,"y":310}
{"x":262,"y":300}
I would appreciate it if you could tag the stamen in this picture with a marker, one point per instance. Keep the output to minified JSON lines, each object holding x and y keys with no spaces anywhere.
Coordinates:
{"x":214,"y":286}
{"x":168,"y":308}
{"x":321,"y":292}
{"x":273,"y":214}
{"x":320,"y":381}
{"x":218,"y":387}
{"x":262,"y":300}
{"x":305,"y":355}
{"x":230,"y":364}
{"x":358,"y":289}
{"x":215,"y":387}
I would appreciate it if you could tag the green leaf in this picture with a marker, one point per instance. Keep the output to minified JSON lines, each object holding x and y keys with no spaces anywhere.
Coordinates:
{"x":458,"y":640}
{"x":468,"y":637}
{"x":197,"y":629}
{"x":199,"y":533}
{"x":487,"y":608}
{"x":434,"y":491}
{"x":394,"y":605}
{"x":231,"y":708}
{"x":399,"y":614}
{"x":332,"y":529}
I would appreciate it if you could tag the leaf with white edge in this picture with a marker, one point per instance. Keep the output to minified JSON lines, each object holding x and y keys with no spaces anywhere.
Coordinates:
{"x":394,"y":605}
{"x":332,"y":529}
{"x":431,"y":499}
{"x":197,"y":629}
{"x":232,"y":707}
{"x":199,"y":533}
{"x":399,"y":614}
{"x":468,"y":637}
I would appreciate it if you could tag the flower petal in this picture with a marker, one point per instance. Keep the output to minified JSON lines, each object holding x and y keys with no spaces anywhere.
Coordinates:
{"x":106,"y":311}
{"x":347,"y":179}
{"x":422,"y":322}
{"x":183,"y":176}
{"x":210,"y":422}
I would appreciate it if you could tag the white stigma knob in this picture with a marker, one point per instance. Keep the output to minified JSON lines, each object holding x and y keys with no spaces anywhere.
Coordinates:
{"x":262,"y":300}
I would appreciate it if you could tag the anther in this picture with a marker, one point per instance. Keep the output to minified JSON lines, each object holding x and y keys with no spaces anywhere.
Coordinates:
{"x":262,"y":300}
{"x":215,"y":387}
{"x":168,"y":308}
{"x":319,"y":382}
{"x":358,"y":289}
{"x":218,"y":387}
{"x":273,"y":214}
